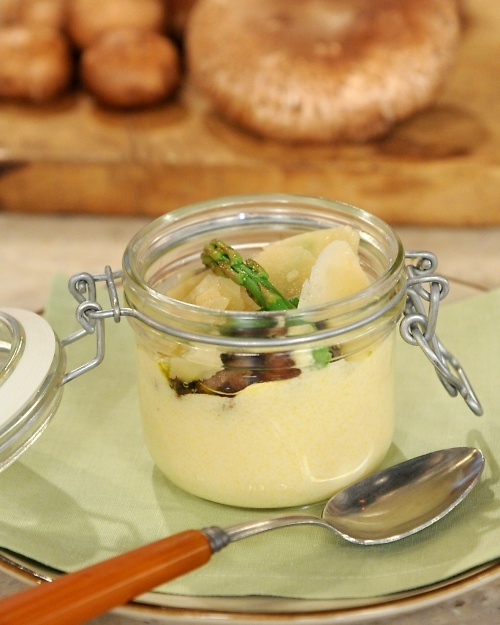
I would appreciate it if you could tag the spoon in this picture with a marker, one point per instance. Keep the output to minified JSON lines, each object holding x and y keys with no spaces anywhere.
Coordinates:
{"x":382,"y":508}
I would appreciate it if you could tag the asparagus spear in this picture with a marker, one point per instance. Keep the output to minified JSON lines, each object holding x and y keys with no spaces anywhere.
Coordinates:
{"x":223,"y":260}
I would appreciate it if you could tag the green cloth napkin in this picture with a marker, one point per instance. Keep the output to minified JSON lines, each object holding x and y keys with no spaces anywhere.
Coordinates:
{"x":88,"y":490}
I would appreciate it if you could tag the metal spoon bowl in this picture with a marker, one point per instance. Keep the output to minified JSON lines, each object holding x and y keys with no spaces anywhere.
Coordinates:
{"x":388,"y":505}
{"x":382,"y":508}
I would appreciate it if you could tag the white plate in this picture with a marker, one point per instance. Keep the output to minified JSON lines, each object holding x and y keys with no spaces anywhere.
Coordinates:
{"x":177,"y":609}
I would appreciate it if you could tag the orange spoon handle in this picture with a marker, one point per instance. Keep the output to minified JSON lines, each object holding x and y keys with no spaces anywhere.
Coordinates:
{"x":77,"y":597}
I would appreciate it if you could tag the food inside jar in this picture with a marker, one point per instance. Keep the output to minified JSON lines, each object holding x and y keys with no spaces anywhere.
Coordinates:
{"x":271,"y":426}
{"x":332,"y":253}
{"x":286,"y":443}
{"x":305,"y":270}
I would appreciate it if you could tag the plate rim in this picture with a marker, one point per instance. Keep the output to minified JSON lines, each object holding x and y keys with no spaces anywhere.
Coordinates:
{"x":166,"y":608}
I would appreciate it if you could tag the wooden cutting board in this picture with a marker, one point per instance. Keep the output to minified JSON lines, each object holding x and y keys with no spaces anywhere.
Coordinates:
{"x":441,"y":167}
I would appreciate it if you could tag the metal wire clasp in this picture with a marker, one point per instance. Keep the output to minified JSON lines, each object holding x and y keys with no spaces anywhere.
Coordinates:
{"x":418,"y":326}
{"x":90,"y":314}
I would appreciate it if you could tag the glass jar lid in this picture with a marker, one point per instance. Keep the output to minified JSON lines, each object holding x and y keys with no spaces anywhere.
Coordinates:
{"x":32,"y":364}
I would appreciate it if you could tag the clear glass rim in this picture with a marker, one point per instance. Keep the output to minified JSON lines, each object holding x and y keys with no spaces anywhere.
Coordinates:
{"x":238,"y":209}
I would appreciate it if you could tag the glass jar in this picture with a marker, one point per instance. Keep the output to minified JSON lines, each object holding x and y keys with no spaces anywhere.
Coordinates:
{"x":242,"y":408}
{"x":262,"y":409}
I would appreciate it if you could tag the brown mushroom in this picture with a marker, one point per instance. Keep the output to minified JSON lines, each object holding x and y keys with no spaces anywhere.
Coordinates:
{"x":321,"y":70}
{"x":49,"y":13}
{"x":35,"y":63}
{"x":87,"y":19}
{"x":131,"y":68}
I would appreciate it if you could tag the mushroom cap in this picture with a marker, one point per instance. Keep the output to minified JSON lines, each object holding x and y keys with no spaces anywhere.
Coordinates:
{"x":131,"y":68}
{"x":46,"y":13}
{"x":321,"y":70}
{"x":87,"y":19}
{"x":35,"y":63}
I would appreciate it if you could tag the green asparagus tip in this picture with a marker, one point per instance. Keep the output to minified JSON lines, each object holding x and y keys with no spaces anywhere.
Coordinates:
{"x":224,"y":260}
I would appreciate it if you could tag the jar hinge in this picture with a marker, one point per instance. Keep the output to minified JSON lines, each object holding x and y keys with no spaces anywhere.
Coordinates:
{"x":90,"y":314}
{"x":418,"y":326}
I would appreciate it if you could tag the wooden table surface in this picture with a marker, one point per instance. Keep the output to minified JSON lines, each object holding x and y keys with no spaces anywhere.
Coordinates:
{"x":440,"y":167}
{"x":35,"y":247}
